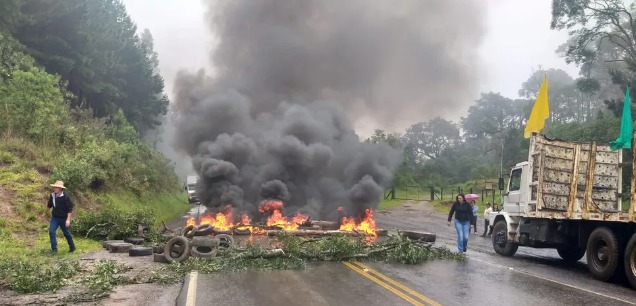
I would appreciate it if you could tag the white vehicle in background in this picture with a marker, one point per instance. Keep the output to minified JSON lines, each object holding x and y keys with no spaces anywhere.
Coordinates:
{"x":567,"y":196}
{"x":191,"y":183}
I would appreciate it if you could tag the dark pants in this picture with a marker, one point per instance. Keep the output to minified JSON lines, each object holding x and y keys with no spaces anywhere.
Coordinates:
{"x":486,"y":225}
{"x":474,"y":223}
{"x":61,"y":223}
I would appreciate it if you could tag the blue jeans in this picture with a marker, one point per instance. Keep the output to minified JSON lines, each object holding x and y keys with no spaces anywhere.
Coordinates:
{"x":463,"y":231}
{"x":61,"y":223}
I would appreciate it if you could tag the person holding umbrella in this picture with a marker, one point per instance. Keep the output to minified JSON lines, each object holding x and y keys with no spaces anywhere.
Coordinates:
{"x":472,"y":197}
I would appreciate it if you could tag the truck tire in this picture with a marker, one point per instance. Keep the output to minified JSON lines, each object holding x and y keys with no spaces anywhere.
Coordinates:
{"x":106,"y":243}
{"x":203,"y":252}
{"x":134,"y":240}
{"x":225,"y":243}
{"x":204,"y":230}
{"x":159,"y":258}
{"x":140,"y":251}
{"x":188,"y":231}
{"x":603,"y":254}
{"x":205,"y":241}
{"x":120,"y":247}
{"x":500,"y":241}
{"x":172,"y":253}
{"x":571,"y":254}
{"x":630,"y":261}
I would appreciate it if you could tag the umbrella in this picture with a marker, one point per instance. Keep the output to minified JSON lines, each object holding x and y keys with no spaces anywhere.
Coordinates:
{"x":472,"y":196}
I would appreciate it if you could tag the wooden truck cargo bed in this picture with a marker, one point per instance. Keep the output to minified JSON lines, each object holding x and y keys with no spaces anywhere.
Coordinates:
{"x":572,"y":180}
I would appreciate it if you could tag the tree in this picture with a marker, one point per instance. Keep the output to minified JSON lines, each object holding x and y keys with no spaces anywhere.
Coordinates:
{"x":94,"y":45}
{"x":495,"y":123}
{"x":430,"y":139}
{"x":567,"y":103}
{"x":32,"y":105}
{"x":600,"y":30}
{"x":9,"y":14}
{"x":490,"y":116}
{"x":11,"y":58}
{"x":380,"y":136}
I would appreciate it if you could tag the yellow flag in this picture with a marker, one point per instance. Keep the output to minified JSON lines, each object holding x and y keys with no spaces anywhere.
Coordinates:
{"x":540,"y":111}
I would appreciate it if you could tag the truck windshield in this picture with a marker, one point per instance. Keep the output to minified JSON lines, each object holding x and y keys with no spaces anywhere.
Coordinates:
{"x":191,"y":186}
{"x":515,"y":180}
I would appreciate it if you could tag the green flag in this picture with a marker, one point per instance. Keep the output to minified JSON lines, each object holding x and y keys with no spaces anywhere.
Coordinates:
{"x":624,"y":140}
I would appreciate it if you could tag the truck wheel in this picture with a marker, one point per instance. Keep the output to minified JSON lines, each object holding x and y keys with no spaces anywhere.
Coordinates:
{"x":500,"y":241}
{"x":602,"y":253}
{"x":630,"y":261}
{"x":571,"y":254}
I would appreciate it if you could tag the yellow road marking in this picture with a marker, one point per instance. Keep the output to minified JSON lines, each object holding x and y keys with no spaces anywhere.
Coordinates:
{"x":399,"y":285}
{"x":191,"y":297}
{"x":383,"y":284}
{"x":556,"y":282}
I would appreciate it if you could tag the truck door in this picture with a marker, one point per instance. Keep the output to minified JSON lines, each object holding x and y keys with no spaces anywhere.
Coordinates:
{"x":512,"y":200}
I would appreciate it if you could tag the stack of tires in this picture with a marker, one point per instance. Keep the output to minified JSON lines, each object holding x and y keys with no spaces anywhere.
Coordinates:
{"x":197,"y":242}
{"x":132,"y":246}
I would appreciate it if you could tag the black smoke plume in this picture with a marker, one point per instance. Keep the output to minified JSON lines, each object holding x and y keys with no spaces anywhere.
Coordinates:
{"x":274,"y":118}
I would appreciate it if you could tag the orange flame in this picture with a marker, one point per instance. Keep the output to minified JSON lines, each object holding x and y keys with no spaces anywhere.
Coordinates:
{"x":366,"y":225}
{"x":224,"y":221}
{"x":277,"y":219}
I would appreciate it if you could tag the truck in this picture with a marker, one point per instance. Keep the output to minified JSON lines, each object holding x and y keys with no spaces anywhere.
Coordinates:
{"x":568,"y":196}
{"x":190,"y":187}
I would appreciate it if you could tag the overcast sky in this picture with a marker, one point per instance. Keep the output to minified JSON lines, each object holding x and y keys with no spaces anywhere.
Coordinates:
{"x":518,"y":40}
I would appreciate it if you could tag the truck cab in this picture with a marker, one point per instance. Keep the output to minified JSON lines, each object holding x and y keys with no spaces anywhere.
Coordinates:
{"x":517,"y":196}
{"x":191,"y":183}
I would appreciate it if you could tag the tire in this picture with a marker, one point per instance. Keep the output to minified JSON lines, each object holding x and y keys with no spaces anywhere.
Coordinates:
{"x":203,"y":252}
{"x":106,"y":243}
{"x":166,"y":237}
{"x":205,"y":242}
{"x":159,"y":258}
{"x":226,"y":243}
{"x":140,"y":251}
{"x":134,"y":240}
{"x":204,"y":230}
{"x":188,"y":231}
{"x":181,"y":254}
{"x":384,"y":233}
{"x":158,"y":249}
{"x":220,"y":232}
{"x":500,"y":241}
{"x":570,"y":254}
{"x":120,"y":247}
{"x":603,"y":253}
{"x":419,"y":236}
{"x":630,"y":261}
{"x":242,"y":232}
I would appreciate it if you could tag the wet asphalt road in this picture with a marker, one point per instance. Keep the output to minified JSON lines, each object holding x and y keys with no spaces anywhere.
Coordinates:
{"x":531,"y":277}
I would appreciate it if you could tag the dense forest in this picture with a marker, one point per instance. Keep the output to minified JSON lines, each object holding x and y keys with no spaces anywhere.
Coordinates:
{"x":79,"y":89}
{"x":489,"y":138}
{"x":78,"y":76}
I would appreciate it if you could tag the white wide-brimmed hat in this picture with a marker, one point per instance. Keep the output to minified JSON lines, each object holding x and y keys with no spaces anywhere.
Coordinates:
{"x":59,"y":184}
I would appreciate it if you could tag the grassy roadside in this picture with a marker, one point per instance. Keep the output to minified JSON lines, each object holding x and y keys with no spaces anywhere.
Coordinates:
{"x":25,"y":266}
{"x":165,"y":206}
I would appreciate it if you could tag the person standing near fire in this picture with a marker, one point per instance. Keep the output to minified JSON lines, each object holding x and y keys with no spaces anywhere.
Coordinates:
{"x":62,"y":208}
{"x":463,"y":221}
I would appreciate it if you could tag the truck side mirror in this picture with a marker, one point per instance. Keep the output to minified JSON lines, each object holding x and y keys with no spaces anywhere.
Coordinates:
{"x":185,"y":187}
{"x":501,"y":183}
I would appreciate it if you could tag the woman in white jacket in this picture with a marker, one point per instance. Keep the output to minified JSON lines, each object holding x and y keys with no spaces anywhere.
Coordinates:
{"x":487,"y":212}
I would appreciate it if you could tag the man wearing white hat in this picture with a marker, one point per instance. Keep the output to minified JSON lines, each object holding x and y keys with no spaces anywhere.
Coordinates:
{"x":60,"y":216}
